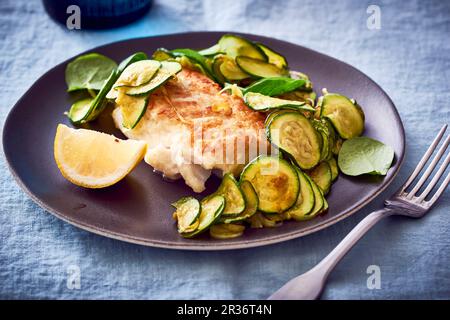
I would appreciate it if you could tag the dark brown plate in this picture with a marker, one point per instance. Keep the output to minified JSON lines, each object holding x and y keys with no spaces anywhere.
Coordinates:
{"x":137,"y":208}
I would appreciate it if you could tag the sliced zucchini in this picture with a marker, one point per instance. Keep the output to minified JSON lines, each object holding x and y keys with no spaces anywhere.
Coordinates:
{"x":321,"y":175}
{"x":215,"y":68}
{"x":166,"y":72}
{"x":298,"y":75}
{"x":260,"y":220}
{"x":79,"y":110}
{"x":226,"y":231}
{"x":325,"y":146}
{"x":332,"y":136}
{"x":337,"y":146}
{"x":229,"y":69}
{"x":211,"y":51}
{"x":325,"y":130}
{"x":260,"y":102}
{"x":235,"y":46}
{"x":306,"y":199}
{"x":251,"y":203}
{"x":294,"y":134}
{"x":259,"y":68}
{"x":112,"y":94}
{"x":325,"y":205}
{"x":234,"y":199}
{"x":275,"y":182}
{"x":274,"y":113}
{"x":138,"y":73}
{"x":273,"y":57}
{"x":199,"y":61}
{"x":187,"y":63}
{"x":345,"y":115}
{"x":276,"y":218}
{"x":132,"y":108}
{"x":187,"y":213}
{"x":306,"y":96}
{"x":334,"y":168}
{"x":162,"y":54}
{"x":319,"y":199}
{"x":211,"y":209}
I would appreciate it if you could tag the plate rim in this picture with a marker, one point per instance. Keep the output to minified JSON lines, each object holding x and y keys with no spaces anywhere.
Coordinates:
{"x":219,"y":246}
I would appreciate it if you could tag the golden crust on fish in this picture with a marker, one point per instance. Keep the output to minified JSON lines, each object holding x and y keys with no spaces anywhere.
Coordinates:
{"x":191,"y":128}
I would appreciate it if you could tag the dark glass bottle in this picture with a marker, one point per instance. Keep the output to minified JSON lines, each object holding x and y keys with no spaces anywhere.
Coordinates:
{"x":99,"y":14}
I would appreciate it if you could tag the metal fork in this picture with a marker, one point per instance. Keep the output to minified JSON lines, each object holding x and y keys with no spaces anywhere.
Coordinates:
{"x":411,"y":204}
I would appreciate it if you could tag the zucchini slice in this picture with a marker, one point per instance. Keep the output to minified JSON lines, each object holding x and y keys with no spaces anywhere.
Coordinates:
{"x":187,"y":213}
{"x":260,"y":102}
{"x":211,"y":209}
{"x":187,"y":63}
{"x":319,"y":199}
{"x":321,"y":175}
{"x":229,"y":69}
{"x":166,"y":72}
{"x":251,"y":203}
{"x":234,"y":199}
{"x":334,"y":168}
{"x":235,"y":46}
{"x":308,"y":97}
{"x":346,"y":116}
{"x":275,"y":182}
{"x":79,"y":110}
{"x":112,"y":94}
{"x":215,"y":69}
{"x":162,"y":54}
{"x":138,"y":73}
{"x":132,"y":109}
{"x":294,"y":134}
{"x":259,"y":68}
{"x":274,"y":113}
{"x":196,"y":59}
{"x":273,"y":57}
{"x":324,"y":130}
{"x":325,"y":205}
{"x":325,"y":146}
{"x":226,"y":231}
{"x":305,"y":201}
{"x":260,"y":220}
{"x":211,"y":51}
{"x":298,"y":75}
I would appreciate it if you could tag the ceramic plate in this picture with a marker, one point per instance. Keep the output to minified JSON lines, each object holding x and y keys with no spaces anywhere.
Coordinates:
{"x":137,"y":209}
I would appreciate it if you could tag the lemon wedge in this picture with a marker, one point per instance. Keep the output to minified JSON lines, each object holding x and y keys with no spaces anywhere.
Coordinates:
{"x":93,"y":159}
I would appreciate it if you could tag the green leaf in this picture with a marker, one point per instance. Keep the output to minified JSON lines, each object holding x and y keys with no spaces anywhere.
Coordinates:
{"x":196,"y":58}
{"x":135,"y":57}
{"x":276,"y":85}
{"x":92,"y":110}
{"x":89,"y":71}
{"x":364,"y":155}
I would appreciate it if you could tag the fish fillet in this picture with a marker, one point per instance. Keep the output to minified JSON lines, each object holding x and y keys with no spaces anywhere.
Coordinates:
{"x":192,"y":129}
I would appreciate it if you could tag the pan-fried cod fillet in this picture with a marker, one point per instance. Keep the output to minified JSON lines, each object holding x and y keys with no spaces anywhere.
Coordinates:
{"x":191,"y":129}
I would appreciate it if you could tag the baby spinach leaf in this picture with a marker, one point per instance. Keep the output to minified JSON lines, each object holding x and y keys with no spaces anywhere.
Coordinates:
{"x":89,"y":71}
{"x":276,"y":85}
{"x":363,"y":155}
{"x":96,"y":106}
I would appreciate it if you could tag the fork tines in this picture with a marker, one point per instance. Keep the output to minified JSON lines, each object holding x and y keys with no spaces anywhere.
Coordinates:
{"x":412,"y":194}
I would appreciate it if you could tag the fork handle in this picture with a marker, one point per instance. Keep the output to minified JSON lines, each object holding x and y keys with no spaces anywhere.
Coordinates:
{"x":331,"y":260}
{"x":309,"y":285}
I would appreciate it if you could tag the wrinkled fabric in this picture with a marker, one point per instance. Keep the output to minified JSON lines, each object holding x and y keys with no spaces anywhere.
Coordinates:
{"x":409,"y":57}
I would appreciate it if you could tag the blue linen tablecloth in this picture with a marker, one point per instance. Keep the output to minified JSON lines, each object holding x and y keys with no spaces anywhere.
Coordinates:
{"x":409,"y":56}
